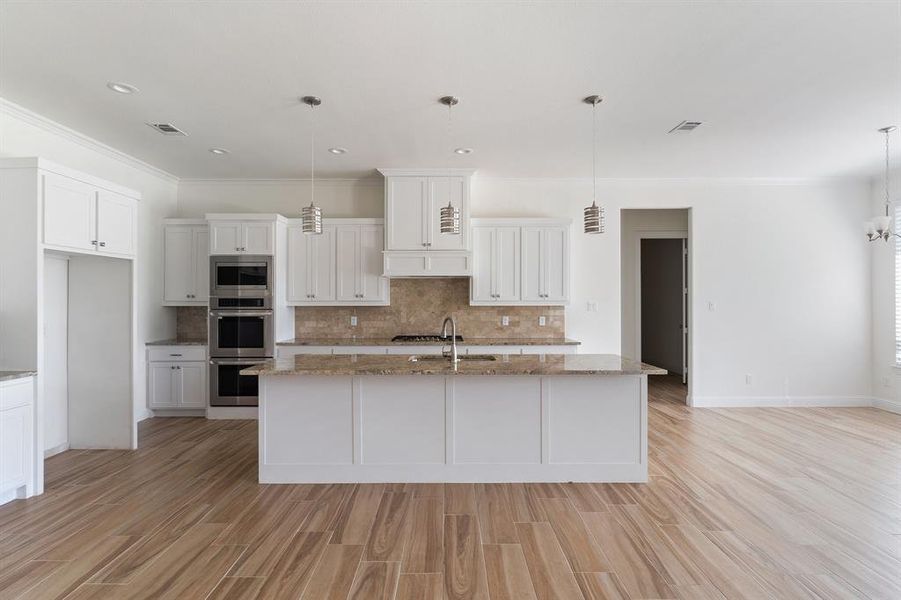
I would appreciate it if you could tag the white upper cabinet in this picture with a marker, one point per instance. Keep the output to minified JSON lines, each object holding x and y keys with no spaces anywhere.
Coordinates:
{"x":84,"y":217}
{"x":414,"y":244}
{"x":520,"y":262}
{"x":311,"y":265}
{"x":186,"y":263}
{"x":545,"y":272}
{"x":341,"y":266}
{"x":242,"y":237}
{"x":116,"y":223}
{"x":407,"y":213}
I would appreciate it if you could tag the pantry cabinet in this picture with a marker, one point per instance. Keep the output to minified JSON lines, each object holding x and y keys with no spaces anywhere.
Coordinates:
{"x":186,"y":263}
{"x":520,"y":262}
{"x":84,"y":217}
{"x":339,"y":267}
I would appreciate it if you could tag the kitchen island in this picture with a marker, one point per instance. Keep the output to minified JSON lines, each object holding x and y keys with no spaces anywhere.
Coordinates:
{"x":384,"y":418}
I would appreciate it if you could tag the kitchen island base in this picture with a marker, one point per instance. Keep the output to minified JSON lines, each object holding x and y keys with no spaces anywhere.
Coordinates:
{"x":452,"y":428}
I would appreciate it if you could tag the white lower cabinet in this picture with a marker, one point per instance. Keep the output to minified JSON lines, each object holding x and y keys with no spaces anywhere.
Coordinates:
{"x":17,"y":440}
{"x":179,"y":382}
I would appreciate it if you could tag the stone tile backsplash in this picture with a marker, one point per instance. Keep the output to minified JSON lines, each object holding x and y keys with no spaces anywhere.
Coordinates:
{"x":419,"y":306}
{"x":191,"y":322}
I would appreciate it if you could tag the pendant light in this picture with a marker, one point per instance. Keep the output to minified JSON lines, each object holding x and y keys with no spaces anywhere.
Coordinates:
{"x":449,"y":216}
{"x":594,"y":214}
{"x":880,"y":228}
{"x":311,"y":216}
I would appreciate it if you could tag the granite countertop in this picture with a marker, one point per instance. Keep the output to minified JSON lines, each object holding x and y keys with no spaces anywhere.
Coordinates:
{"x":380,"y":364}
{"x":467,"y":342}
{"x":11,"y":375}
{"x":178,"y":342}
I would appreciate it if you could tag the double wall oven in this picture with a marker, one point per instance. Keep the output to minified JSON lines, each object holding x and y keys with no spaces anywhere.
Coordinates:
{"x":241,"y":328}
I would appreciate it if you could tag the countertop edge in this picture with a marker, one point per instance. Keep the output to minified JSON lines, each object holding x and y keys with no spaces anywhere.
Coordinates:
{"x":13,"y":375}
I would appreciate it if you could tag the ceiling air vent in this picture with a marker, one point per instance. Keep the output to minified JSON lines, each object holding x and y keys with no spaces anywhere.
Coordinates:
{"x":685,"y":126}
{"x":167,"y":128}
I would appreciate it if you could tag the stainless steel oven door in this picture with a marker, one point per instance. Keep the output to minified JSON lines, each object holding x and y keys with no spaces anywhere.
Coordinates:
{"x":240,"y":275}
{"x":241,"y":333}
{"x":228,"y":387}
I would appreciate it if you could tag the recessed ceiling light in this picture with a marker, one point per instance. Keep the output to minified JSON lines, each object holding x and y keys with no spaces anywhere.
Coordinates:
{"x":219,"y":151}
{"x":463,"y":150}
{"x":338,"y":150}
{"x":122,"y":88}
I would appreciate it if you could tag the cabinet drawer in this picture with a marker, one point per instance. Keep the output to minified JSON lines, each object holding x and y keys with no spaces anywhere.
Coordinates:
{"x":19,"y":392}
{"x":176,"y":353}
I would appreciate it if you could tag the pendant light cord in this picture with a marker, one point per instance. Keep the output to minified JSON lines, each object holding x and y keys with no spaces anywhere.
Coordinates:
{"x":594,"y":153}
{"x":887,"y":133}
{"x":312,"y":154}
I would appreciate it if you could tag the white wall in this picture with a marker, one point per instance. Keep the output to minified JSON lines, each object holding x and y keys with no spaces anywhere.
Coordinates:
{"x":781,"y":260}
{"x":886,"y":377}
{"x":26,"y":134}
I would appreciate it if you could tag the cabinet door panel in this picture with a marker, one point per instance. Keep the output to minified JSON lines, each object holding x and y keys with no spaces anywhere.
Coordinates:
{"x":532,"y":267}
{"x":191,"y":378}
{"x":372,"y":286}
{"x":201,"y":258}
{"x":15,"y":444}
{"x":298,"y":266}
{"x":70,"y":218}
{"x":347,"y":255}
{"x":116,"y":228}
{"x":483,"y":265}
{"x":225,"y":237}
{"x":257,"y":238}
{"x":506,"y":264}
{"x":178,"y":250}
{"x":321,"y":257}
{"x":442,"y":189}
{"x":556,"y":286}
{"x":406,"y":213}
{"x":162,"y":385}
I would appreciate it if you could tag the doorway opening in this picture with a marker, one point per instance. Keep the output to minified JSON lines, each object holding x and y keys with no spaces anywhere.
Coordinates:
{"x":656,"y":291}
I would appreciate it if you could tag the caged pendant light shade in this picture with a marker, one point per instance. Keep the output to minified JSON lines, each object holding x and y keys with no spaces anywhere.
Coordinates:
{"x":450,"y":219}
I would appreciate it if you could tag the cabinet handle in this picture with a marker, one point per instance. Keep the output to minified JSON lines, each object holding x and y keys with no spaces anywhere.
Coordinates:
{"x":102,"y":244}
{"x":94,"y":243}
{"x":175,"y":355}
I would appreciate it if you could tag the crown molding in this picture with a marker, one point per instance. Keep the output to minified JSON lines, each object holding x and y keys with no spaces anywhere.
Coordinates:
{"x":287,"y":181}
{"x":32,"y":118}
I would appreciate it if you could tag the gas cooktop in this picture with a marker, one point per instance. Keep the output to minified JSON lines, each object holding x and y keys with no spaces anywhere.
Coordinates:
{"x":424,"y":338}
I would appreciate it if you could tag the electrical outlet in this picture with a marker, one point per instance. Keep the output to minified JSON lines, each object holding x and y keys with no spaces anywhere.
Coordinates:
{"x":505,"y":321}
{"x":542,"y":321}
{"x":353,"y":320}
{"x":748,"y":379}
{"x":592,"y":306}
{"x":711,"y":306}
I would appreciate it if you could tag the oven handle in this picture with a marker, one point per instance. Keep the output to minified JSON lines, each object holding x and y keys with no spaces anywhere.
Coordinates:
{"x":240,"y":313}
{"x":233,"y":363}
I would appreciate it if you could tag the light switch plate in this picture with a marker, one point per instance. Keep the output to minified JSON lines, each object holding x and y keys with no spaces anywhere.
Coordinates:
{"x":592,"y":306}
{"x":542,"y":321}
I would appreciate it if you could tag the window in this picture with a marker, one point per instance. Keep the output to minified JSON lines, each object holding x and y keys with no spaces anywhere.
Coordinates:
{"x":897,"y":243}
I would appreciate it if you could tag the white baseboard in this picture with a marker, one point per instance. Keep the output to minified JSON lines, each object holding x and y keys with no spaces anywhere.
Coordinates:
{"x":144,"y":414}
{"x":886,"y":404}
{"x":179,"y":412}
{"x":56,"y":450}
{"x":779,"y":401}
{"x":231,"y":412}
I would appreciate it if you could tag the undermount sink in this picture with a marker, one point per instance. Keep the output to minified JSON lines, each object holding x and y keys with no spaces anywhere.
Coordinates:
{"x":438,"y":357}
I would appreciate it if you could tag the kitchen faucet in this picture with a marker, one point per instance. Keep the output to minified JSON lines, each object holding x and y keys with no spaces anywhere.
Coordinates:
{"x":453,"y":324}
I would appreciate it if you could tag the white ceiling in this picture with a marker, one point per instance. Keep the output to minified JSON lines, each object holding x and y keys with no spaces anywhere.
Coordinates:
{"x":785,"y":89}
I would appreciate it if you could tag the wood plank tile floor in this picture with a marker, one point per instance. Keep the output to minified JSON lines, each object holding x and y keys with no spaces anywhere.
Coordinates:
{"x":741,"y":503}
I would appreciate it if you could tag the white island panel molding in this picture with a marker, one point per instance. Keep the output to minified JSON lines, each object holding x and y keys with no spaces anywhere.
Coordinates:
{"x":452,"y":428}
